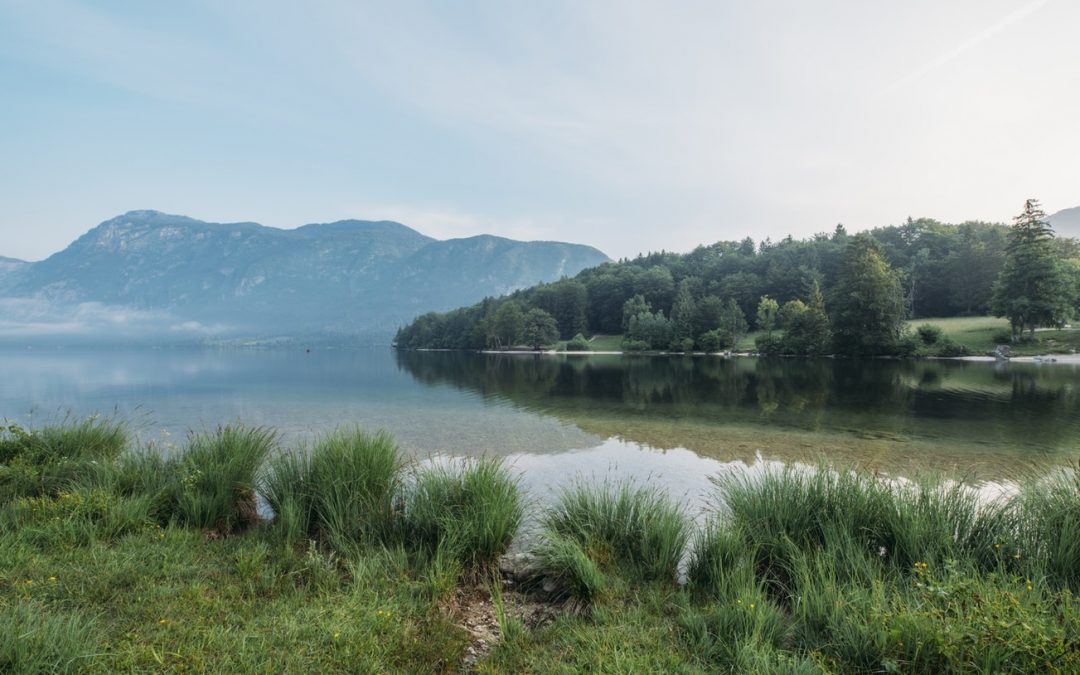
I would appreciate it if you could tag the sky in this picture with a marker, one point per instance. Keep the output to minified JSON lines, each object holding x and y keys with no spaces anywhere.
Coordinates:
{"x":629,"y":126}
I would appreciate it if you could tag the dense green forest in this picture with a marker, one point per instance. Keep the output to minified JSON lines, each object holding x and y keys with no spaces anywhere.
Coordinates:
{"x":831,"y":293}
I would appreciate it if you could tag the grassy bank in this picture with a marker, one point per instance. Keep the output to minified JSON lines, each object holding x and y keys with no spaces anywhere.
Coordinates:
{"x":980,"y":334}
{"x":974,"y":335}
{"x":113,"y":559}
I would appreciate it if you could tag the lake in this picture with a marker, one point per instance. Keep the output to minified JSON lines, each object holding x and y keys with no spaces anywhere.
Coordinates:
{"x":672,"y":421}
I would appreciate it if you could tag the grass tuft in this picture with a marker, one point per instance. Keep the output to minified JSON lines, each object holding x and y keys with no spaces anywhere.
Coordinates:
{"x":344,"y":491}
{"x":58,"y":458}
{"x":473,"y":509}
{"x":1046,"y":518}
{"x":213,"y":481}
{"x":637,"y":530}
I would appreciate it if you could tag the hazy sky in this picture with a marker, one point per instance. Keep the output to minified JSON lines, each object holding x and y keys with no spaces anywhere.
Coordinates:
{"x":630,"y":126}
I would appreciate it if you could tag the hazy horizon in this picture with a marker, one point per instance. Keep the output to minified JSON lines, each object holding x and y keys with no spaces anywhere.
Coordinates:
{"x":625,"y":127}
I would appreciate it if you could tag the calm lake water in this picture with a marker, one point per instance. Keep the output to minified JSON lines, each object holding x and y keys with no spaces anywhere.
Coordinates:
{"x":672,"y":421}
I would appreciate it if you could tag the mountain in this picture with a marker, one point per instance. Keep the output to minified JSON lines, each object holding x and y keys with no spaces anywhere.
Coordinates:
{"x":1066,"y":222}
{"x":10,"y":268}
{"x":350,"y":277}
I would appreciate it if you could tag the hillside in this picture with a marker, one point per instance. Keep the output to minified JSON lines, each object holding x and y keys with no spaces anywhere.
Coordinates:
{"x":152,"y":270}
{"x":708,"y":298}
{"x":9,"y":268}
{"x":1066,"y":222}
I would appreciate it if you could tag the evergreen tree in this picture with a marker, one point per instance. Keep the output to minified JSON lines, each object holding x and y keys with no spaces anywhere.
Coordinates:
{"x":682,"y":316}
{"x":1033,"y":287}
{"x":868,"y":302}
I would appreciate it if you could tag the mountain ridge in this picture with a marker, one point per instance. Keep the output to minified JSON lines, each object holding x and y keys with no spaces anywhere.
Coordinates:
{"x":1066,"y":222}
{"x":343,"y":277}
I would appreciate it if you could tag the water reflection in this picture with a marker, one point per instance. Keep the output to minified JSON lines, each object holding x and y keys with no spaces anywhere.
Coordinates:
{"x":671,"y":421}
{"x":984,"y":418}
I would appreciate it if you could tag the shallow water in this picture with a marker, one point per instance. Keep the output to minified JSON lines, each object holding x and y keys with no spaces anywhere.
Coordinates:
{"x":671,"y":421}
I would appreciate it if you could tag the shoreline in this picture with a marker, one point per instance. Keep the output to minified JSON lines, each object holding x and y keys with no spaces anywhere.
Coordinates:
{"x":1050,"y":358}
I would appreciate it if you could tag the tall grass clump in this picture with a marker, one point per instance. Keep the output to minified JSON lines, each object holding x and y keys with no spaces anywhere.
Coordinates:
{"x":35,"y":639}
{"x":345,"y":490}
{"x":720,"y":563}
{"x":56,"y":458}
{"x":213,"y":481}
{"x":74,"y":518}
{"x":787,"y":513}
{"x":1046,"y":518}
{"x":473,"y":509}
{"x":637,"y":531}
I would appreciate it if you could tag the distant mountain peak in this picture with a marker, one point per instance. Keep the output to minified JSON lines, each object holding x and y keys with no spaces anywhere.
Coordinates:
{"x":1067,"y":222}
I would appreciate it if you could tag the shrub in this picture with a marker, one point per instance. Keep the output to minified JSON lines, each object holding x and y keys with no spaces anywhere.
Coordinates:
{"x":929,"y":333}
{"x":1002,"y":337}
{"x":682,"y":345}
{"x":474,"y":510}
{"x":578,"y":344}
{"x":637,"y":531}
{"x":635,"y":346}
{"x":906,"y":345}
{"x":769,"y":344}
{"x":345,"y":490}
{"x":711,"y":341}
{"x":948,"y":348}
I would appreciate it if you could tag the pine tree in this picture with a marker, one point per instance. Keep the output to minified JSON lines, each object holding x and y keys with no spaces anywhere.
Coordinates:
{"x":1032,"y":289}
{"x":868,"y":301}
{"x":682,"y":315}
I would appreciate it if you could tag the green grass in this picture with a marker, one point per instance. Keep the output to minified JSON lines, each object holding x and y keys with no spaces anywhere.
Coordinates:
{"x":57,"y":458}
{"x":634,"y":530}
{"x":363,"y":569}
{"x":980,"y":334}
{"x":472,"y":511}
{"x":345,"y":490}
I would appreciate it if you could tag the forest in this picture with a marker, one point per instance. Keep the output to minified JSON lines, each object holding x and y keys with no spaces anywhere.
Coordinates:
{"x":833,"y":293}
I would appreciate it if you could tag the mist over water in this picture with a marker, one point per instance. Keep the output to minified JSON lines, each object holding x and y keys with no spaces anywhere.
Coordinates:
{"x":672,"y":421}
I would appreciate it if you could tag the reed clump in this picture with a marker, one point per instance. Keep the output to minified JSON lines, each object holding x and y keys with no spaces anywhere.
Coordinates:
{"x":346,"y":489}
{"x":473,"y":508}
{"x":619,"y":530}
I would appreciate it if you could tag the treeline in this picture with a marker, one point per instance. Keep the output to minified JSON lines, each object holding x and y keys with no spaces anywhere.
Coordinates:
{"x":830,"y":293}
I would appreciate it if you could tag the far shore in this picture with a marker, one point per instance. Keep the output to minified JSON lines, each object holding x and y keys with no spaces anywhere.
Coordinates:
{"x":1063,"y":359}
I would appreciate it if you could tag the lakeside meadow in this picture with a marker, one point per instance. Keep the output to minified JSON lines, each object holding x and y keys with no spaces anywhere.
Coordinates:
{"x":234,"y":552}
